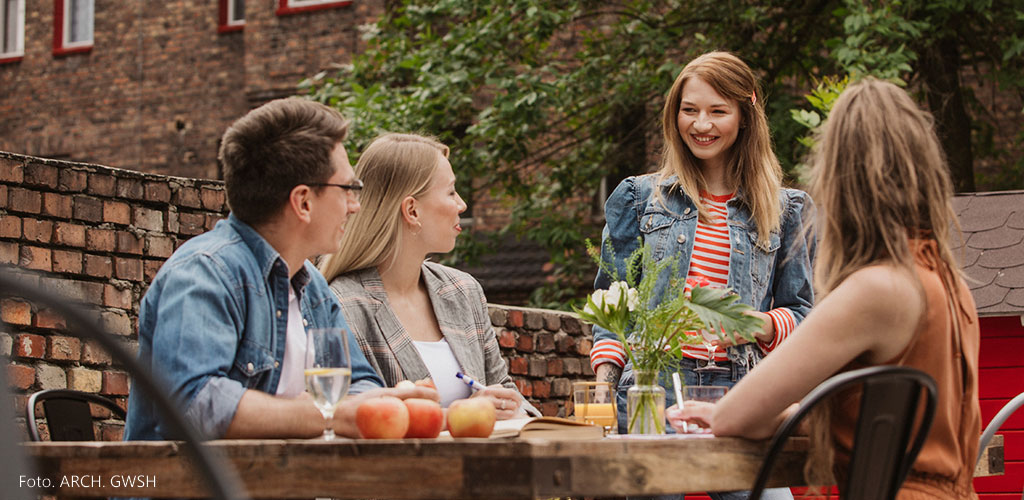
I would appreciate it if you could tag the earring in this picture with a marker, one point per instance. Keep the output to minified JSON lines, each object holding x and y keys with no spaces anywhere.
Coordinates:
{"x":419,"y":226}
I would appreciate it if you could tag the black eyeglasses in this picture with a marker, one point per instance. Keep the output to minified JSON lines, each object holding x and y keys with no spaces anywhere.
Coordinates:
{"x":354,"y":188}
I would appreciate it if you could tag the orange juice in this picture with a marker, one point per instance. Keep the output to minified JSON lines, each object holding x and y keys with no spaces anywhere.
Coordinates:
{"x":596,"y":413}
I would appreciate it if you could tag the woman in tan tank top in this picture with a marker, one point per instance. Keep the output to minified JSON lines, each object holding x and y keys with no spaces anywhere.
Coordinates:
{"x":892,"y":291}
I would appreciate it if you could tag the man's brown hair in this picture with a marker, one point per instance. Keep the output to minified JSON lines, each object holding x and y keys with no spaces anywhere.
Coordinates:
{"x":272,"y":149}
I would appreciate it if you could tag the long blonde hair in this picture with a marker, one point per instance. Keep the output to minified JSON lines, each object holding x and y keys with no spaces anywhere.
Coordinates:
{"x":393,"y":167}
{"x":880,"y":179}
{"x":752,"y":161}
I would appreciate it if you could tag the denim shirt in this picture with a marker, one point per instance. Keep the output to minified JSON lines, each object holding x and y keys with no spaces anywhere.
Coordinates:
{"x":212,"y":325}
{"x":779,"y":276}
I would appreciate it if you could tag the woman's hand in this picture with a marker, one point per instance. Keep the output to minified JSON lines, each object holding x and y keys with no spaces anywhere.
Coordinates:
{"x":765,"y":334}
{"x":506,"y":401}
{"x":696,"y":412}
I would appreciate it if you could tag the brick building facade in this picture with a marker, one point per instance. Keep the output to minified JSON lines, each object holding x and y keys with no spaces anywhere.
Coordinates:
{"x":161,"y":81}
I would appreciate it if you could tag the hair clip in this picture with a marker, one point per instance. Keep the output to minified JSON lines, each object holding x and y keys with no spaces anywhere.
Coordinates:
{"x":753,"y":97}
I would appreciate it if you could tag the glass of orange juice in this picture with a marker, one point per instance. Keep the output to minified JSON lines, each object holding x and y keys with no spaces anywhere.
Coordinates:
{"x":594,"y":403}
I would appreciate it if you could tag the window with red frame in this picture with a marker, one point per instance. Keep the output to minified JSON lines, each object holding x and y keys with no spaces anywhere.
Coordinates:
{"x":72,"y":26}
{"x":294,"y":6}
{"x":12,"y":30}
{"x":232,"y":15}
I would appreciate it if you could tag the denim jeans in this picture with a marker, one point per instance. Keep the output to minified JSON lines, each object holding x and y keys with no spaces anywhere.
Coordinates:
{"x":691,"y":378}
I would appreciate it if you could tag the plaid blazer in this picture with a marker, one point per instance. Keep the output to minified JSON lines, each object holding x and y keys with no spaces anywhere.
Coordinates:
{"x":461,"y":309}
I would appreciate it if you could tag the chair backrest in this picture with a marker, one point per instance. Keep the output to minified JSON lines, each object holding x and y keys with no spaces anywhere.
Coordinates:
{"x":68,"y":415}
{"x":880,"y":459}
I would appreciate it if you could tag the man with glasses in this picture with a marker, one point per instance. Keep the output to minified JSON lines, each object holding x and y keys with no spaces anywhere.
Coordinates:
{"x":223,"y":324}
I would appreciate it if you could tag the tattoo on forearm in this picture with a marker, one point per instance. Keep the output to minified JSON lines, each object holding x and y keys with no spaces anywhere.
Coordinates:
{"x":611,"y":375}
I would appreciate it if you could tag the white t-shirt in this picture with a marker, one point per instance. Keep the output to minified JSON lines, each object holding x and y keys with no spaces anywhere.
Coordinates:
{"x":293,"y":366}
{"x":443,"y":366}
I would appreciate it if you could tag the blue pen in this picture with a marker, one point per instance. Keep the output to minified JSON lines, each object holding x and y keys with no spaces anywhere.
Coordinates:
{"x":476,"y":386}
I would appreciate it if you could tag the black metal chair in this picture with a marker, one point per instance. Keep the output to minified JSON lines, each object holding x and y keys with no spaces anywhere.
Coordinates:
{"x":990,"y":430}
{"x":68,"y":414}
{"x":880,"y":459}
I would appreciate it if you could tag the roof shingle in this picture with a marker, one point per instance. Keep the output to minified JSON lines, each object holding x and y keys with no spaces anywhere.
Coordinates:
{"x":993,"y":256}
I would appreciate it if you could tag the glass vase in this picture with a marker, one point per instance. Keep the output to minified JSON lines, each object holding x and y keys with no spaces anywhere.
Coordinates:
{"x":645,"y":405}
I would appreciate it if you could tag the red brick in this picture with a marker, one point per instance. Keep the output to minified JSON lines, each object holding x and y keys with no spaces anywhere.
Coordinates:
{"x":117,"y":297}
{"x":571,"y":325}
{"x":507,"y":338}
{"x":24,"y":200}
{"x":524,"y":386}
{"x":131,"y":189}
{"x":128,"y":242}
{"x":3,"y":195}
{"x":555,"y":366}
{"x":187,"y":197}
{"x":37,"y":174}
{"x":117,"y":212}
{"x":16,"y":312}
{"x":10,"y":226}
{"x":40,"y":231}
{"x":211,"y":221}
{"x":35,"y":258}
{"x":20,"y":376}
{"x":46,"y":318}
{"x":127,"y":269}
{"x":146,"y":218}
{"x":212,"y":199}
{"x":64,"y":348}
{"x":541,"y":388}
{"x":552,"y":321}
{"x":57,"y":205}
{"x":93,"y":354}
{"x":157,"y":191}
{"x":111,"y":432}
{"x":100,"y":240}
{"x":534,"y":320}
{"x":72,"y":181}
{"x":150,"y":268}
{"x":515,"y":319}
{"x":28,"y":345}
{"x":159,"y":246}
{"x":548,"y":408}
{"x":115,"y":384}
{"x":11,"y":170}
{"x":525,"y":343}
{"x":87,"y":208}
{"x":9,"y":252}
{"x":67,"y":261}
{"x":518,"y":366}
{"x":101,"y":184}
{"x":191,"y":224}
{"x":68,"y":234}
{"x":99,"y":266}
{"x":572,"y":366}
{"x":564,"y":343}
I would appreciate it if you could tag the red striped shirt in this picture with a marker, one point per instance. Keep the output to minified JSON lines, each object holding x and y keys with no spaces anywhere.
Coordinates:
{"x":710,"y":261}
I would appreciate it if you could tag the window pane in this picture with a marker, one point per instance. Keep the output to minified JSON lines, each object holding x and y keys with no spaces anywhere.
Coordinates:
{"x":80,"y":14}
{"x":237,"y":10}
{"x":9,"y":25}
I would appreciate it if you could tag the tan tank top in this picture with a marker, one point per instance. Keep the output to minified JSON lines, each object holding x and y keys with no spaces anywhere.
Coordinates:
{"x":948,"y":352}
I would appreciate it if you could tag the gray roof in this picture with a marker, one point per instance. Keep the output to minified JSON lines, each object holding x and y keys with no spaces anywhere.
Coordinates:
{"x":992,"y":253}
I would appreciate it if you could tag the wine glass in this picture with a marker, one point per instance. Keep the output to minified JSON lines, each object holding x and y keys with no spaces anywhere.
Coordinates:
{"x":707,"y":338}
{"x":328,"y":371}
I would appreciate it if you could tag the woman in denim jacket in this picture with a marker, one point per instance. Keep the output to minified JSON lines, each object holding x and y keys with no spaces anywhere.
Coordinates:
{"x":717,"y":203}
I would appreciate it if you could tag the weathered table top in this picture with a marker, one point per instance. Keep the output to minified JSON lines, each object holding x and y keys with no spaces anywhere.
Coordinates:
{"x":410,"y":469}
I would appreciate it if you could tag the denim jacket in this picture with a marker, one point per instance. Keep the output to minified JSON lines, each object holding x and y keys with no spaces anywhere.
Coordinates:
{"x":213,"y":323}
{"x":779,"y":276}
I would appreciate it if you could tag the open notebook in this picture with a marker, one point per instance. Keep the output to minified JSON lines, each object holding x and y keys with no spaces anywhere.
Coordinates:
{"x":554,"y":428}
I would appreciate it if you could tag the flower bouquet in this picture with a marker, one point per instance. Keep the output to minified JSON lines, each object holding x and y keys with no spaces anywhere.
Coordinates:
{"x":652,"y":328}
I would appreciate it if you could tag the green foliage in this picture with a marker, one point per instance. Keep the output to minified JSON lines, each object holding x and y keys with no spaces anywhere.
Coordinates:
{"x":652,"y":333}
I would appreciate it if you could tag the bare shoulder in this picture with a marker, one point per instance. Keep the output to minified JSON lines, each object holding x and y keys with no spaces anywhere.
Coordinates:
{"x":888,"y":294}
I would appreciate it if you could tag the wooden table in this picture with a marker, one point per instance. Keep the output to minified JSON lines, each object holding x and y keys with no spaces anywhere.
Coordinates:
{"x":411,"y":469}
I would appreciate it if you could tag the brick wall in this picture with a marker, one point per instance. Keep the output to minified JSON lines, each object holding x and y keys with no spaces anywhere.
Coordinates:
{"x":99,"y":235}
{"x":161,"y":84}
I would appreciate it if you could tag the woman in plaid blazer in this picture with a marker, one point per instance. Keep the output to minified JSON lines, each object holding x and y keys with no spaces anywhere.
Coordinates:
{"x":415,"y":319}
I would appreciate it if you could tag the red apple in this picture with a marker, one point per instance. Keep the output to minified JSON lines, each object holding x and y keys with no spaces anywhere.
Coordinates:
{"x":473,"y":417}
{"x":425,"y":418}
{"x":385,"y":417}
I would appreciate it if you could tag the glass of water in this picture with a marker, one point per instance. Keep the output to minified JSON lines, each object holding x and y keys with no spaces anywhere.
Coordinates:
{"x":328,"y":371}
